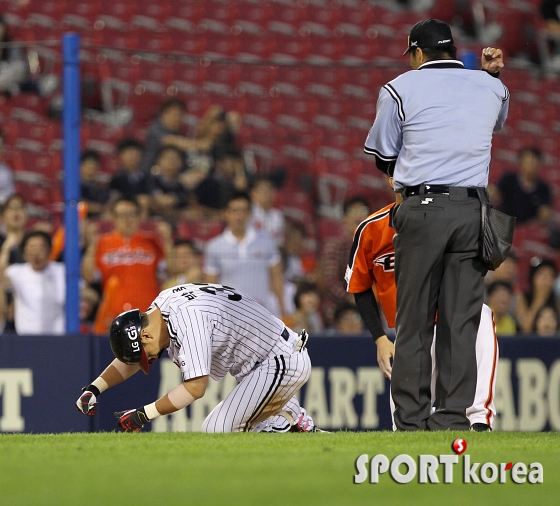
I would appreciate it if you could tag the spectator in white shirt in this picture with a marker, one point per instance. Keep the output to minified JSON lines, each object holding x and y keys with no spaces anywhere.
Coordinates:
{"x":264,"y":216}
{"x":245,"y":258}
{"x":38,"y":287}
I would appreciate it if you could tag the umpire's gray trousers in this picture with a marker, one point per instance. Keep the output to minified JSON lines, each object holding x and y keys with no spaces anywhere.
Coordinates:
{"x":439,"y":275}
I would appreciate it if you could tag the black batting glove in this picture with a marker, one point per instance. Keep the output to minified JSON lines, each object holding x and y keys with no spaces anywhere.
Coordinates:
{"x":87,"y":403}
{"x":132,"y":420}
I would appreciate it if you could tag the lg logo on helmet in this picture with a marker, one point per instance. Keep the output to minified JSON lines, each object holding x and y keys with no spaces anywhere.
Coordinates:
{"x":132,"y":333}
{"x":133,"y":336}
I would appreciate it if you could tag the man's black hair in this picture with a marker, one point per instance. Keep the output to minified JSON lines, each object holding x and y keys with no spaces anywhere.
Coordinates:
{"x":440,"y":53}
{"x":170,"y":103}
{"x":128,"y":143}
{"x":163,"y":149}
{"x":352,"y":202}
{"x":127,"y":200}
{"x":144,"y":320}
{"x":262,"y":178}
{"x":303,"y":288}
{"x":533,"y":150}
{"x":239,"y":195}
{"x":223,"y":153}
{"x":343,"y":308}
{"x":296,"y":225}
{"x":12,"y":197}
{"x":37,"y":233}
{"x":496,"y":285}
{"x":189,"y":243}
{"x":538,"y":263}
{"x":90,"y":154}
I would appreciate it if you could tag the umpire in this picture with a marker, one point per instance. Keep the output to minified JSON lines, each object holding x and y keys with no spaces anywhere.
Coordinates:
{"x":433,"y":134}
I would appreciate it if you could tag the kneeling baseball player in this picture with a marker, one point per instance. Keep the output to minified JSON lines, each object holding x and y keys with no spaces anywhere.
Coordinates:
{"x":371,"y":267}
{"x":210,"y":330}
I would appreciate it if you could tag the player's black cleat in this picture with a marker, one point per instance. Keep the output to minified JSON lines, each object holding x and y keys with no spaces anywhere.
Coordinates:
{"x":480,"y":427}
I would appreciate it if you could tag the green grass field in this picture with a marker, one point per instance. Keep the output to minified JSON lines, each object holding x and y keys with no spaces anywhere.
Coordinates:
{"x":263,"y":469}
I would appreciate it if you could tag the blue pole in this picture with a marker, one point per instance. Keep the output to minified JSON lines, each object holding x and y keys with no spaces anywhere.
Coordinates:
{"x":72,"y":190}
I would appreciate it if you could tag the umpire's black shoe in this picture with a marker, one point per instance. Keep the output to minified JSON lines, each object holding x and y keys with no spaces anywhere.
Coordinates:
{"x":481,"y":427}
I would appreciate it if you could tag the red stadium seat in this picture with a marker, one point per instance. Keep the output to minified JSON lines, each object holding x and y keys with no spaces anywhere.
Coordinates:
{"x":225,"y":12}
{"x":253,"y":47}
{"x":34,"y":188}
{"x":269,"y":108}
{"x":153,"y":41}
{"x":160,"y":71}
{"x":362,"y":49}
{"x":121,"y":10}
{"x":296,"y":204}
{"x":200,"y":230}
{"x":291,"y":48}
{"x":289,"y":14}
{"x":225,"y":74}
{"x":157,"y":10}
{"x":445,"y":10}
{"x":324,"y":51}
{"x":255,"y":13}
{"x":364,"y":16}
{"x":193,"y":11}
{"x":190,"y":44}
{"x":261,"y":75}
{"x":328,"y":17}
{"x":48,"y":9}
{"x":222,"y":46}
{"x":333,"y":77}
{"x":329,"y":228}
{"x":298,"y":76}
{"x":306,"y":108}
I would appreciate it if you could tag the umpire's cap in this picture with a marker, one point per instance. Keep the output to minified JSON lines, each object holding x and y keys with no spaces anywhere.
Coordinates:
{"x":429,"y":33}
{"x":125,"y":339}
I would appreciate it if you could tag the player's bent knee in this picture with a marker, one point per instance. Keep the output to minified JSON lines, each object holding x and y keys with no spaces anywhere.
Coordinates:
{"x":215,"y":426}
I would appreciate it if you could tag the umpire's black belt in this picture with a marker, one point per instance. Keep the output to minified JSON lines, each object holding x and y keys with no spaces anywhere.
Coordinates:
{"x":436,"y":189}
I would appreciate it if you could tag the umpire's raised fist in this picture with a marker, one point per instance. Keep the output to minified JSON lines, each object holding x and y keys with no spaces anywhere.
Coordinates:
{"x":87,"y":403}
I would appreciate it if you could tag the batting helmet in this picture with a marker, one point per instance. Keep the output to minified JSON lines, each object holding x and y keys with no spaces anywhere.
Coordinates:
{"x":125,"y":339}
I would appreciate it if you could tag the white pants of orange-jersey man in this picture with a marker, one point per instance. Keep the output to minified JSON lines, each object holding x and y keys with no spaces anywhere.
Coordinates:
{"x":264,"y":400}
{"x":483,"y":409}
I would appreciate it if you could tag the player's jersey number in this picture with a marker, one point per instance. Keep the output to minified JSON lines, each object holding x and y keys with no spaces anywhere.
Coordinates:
{"x":226,"y":290}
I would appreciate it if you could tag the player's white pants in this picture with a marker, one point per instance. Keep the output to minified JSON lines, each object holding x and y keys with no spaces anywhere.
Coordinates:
{"x":264,"y":392}
{"x":487,"y":353}
{"x":483,"y":409}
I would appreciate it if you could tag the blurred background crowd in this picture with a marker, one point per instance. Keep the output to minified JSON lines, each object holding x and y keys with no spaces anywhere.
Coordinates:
{"x":223,"y":142}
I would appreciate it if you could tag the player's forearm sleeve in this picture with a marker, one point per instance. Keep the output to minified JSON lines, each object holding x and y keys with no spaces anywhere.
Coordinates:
{"x":367,"y":306}
{"x":180,"y":397}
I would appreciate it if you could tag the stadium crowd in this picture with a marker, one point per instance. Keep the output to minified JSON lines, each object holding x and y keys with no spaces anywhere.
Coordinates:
{"x":134,"y":240}
{"x":131,"y":247}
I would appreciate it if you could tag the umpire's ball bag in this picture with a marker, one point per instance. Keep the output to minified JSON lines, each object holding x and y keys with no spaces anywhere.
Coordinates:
{"x":496,"y":236}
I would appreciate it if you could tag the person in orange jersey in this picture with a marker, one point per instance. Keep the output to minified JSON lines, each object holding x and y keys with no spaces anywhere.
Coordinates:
{"x":370,"y":276}
{"x":127,"y":261}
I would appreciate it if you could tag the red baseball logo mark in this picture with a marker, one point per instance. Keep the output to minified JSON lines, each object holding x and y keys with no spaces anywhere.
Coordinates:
{"x":459,"y":446}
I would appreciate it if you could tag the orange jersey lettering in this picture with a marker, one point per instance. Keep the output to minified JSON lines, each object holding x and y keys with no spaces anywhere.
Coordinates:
{"x":134,"y":263}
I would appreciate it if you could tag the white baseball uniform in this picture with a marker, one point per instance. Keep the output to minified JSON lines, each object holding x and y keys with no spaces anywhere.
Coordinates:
{"x":215,"y":330}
